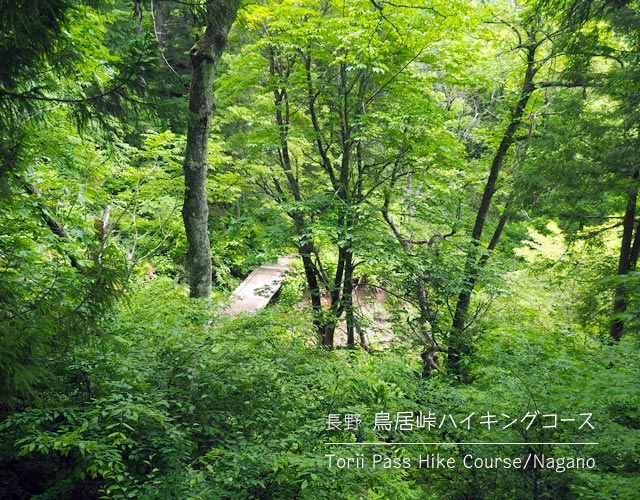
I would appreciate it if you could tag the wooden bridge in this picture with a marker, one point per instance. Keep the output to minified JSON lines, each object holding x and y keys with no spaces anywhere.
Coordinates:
{"x":255,"y":292}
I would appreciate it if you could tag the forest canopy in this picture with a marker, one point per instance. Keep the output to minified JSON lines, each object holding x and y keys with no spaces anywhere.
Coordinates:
{"x":453,"y":187}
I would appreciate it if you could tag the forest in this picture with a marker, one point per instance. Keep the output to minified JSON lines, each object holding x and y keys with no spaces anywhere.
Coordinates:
{"x":454,"y":185}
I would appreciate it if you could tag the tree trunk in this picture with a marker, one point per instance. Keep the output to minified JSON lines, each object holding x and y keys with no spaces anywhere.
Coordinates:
{"x":306,"y":247}
{"x":310,"y":272}
{"x":205,"y":55}
{"x":335,"y":309}
{"x":347,"y":301}
{"x":457,"y":344}
{"x":52,"y":223}
{"x":626,"y":262}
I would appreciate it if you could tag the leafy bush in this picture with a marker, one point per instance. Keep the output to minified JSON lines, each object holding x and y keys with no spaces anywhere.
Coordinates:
{"x":180,"y":401}
{"x":178,"y":406}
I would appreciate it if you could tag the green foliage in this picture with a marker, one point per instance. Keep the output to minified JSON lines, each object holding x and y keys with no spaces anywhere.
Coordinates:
{"x":166,"y":406}
{"x":59,"y":277}
{"x":234,"y":410}
{"x":30,"y":31}
{"x":114,"y":385}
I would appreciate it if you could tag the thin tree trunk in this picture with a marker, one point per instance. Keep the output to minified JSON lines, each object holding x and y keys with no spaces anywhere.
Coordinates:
{"x":335,"y":307}
{"x":137,"y":14}
{"x":310,"y":272}
{"x":347,"y":301}
{"x":626,"y":262}
{"x":205,"y":55}
{"x":306,"y":247}
{"x":427,"y":321}
{"x":456,"y":347}
{"x":52,"y":223}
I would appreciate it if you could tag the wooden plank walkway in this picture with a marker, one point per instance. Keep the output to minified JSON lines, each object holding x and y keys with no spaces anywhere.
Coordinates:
{"x":255,"y":292}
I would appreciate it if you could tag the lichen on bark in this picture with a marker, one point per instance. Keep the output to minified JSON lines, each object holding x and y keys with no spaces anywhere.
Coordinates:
{"x":205,"y":54}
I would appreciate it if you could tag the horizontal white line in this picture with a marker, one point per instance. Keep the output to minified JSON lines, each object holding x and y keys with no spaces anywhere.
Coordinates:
{"x":384,"y":443}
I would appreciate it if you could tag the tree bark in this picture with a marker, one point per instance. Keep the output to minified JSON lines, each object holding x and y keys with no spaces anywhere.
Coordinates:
{"x":626,"y":262}
{"x":205,"y":55}
{"x":341,"y":291}
{"x":347,"y":301}
{"x":306,"y":248}
{"x":457,"y":347}
{"x":53,"y":224}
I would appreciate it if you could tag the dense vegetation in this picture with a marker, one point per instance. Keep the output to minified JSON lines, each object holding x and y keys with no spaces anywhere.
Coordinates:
{"x":456,"y":181}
